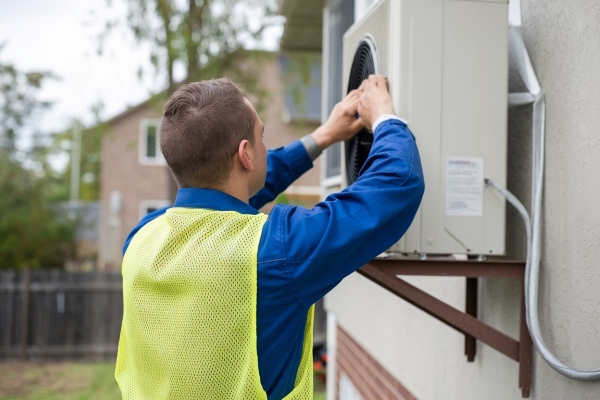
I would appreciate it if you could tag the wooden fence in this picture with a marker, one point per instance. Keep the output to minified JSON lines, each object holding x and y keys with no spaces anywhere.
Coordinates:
{"x":57,"y":314}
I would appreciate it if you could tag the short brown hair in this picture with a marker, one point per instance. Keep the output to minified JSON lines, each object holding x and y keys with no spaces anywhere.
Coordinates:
{"x":202,"y":127}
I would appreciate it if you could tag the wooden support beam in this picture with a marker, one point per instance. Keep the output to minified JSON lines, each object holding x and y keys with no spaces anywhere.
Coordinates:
{"x":386,"y":272}
{"x":449,"y":315}
{"x":471,"y":309}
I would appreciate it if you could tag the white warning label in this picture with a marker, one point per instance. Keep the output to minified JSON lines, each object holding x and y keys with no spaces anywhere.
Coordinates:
{"x":464,"y":186}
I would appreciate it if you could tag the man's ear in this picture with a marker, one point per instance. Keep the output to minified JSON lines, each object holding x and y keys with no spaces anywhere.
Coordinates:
{"x":245,"y":154}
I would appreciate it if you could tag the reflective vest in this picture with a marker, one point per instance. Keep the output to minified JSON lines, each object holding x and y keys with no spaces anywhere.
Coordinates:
{"x":189,"y":319}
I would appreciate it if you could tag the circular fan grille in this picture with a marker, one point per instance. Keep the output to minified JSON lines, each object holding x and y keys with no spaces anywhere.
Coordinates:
{"x":357,"y":148}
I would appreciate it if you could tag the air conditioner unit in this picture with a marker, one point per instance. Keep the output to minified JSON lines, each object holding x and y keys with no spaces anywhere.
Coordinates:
{"x":447,"y":65}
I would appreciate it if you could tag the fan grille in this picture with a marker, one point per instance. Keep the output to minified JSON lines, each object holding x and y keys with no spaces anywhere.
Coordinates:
{"x":357,"y":148}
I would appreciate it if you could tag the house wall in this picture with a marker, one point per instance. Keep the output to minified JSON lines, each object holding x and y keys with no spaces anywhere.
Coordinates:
{"x":122,"y":172}
{"x":563,"y":39}
{"x":359,"y":373}
{"x":279,"y":133}
{"x":426,"y":356}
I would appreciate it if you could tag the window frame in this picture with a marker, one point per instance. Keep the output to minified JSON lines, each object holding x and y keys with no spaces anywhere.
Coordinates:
{"x":158,"y":204}
{"x":143,"y":143}
{"x":329,"y":98}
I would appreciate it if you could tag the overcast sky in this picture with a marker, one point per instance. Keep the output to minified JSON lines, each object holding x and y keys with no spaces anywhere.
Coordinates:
{"x":60,"y":36}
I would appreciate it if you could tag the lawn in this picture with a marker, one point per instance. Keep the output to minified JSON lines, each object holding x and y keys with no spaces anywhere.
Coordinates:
{"x":67,"y":381}
{"x":54,"y":381}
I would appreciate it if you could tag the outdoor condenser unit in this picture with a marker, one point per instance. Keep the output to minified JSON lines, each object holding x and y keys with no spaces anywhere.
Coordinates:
{"x":447,"y":64}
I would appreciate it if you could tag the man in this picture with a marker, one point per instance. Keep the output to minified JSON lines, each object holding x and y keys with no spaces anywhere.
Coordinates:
{"x":218,"y":297}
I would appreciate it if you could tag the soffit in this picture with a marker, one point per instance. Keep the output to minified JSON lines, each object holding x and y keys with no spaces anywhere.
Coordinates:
{"x":304,"y":25}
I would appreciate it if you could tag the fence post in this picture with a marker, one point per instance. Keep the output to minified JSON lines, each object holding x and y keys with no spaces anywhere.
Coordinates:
{"x":25,"y":313}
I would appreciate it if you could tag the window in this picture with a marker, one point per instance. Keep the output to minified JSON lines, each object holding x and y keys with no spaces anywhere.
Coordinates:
{"x":149,"y":206}
{"x":341,"y":17}
{"x":150,"y":153}
{"x":302,"y":87}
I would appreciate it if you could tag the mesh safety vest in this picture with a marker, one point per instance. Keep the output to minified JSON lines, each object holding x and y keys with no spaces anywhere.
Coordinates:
{"x":189,"y":320}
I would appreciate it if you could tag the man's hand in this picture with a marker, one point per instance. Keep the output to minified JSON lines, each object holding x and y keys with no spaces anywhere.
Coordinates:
{"x":342,"y":124}
{"x":375,"y":100}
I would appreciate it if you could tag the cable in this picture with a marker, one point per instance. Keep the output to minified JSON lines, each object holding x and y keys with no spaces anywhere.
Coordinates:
{"x":532,"y":268}
{"x":533,"y":225}
{"x":520,"y":57}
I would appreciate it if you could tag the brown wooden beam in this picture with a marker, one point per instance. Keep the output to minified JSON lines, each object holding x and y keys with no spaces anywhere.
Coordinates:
{"x":525,"y":348}
{"x":460,"y":321}
{"x":444,"y":267}
{"x":385,"y":272}
{"x":471,"y":309}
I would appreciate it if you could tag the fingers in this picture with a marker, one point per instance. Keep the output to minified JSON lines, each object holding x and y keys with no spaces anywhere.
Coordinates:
{"x":352,"y":102}
{"x":349,"y":104}
{"x":378,"y":81}
{"x":356,"y":126}
{"x":353,"y":94}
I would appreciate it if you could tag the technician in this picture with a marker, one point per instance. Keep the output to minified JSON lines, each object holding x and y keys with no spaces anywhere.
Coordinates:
{"x":218,"y":298}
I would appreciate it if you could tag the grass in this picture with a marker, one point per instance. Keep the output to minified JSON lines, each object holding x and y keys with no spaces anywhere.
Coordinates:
{"x":54,"y":381}
{"x":68,"y":381}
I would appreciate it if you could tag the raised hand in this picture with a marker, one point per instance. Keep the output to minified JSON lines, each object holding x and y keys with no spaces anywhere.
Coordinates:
{"x":342,"y":124}
{"x":375,"y":99}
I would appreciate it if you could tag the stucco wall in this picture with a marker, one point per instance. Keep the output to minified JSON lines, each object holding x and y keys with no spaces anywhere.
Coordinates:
{"x":427,"y":357}
{"x":563,"y":39}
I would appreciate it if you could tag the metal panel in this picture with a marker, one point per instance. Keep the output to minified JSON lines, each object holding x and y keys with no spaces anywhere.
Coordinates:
{"x":475,"y":112}
{"x":447,"y":62}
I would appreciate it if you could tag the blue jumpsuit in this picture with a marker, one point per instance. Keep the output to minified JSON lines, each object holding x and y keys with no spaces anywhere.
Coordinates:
{"x":303,"y":254}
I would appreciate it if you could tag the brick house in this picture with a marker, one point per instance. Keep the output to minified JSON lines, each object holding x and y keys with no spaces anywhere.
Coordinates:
{"x":135,"y":179}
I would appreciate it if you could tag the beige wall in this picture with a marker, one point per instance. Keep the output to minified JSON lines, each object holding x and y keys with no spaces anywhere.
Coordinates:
{"x":122,"y":171}
{"x":563,"y":39}
{"x":279,"y":133}
{"x":428,"y":357}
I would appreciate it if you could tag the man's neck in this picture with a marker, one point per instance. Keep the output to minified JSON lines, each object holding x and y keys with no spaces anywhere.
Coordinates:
{"x":237,"y":188}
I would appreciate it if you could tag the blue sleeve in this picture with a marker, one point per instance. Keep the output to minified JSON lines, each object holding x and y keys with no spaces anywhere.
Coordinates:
{"x":284,"y":166}
{"x":323,"y":245}
{"x":147,"y":218}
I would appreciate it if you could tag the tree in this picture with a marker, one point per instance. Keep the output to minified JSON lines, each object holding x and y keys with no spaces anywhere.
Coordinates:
{"x":61,"y":144}
{"x":18,"y":101}
{"x":31,"y":233}
{"x":210,"y":38}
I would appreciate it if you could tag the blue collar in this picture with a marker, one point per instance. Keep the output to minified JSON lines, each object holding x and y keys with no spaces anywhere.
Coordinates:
{"x":211,"y":199}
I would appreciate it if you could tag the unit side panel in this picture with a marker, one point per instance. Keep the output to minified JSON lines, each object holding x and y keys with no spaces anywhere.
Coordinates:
{"x":420,"y":103}
{"x":474,"y":117}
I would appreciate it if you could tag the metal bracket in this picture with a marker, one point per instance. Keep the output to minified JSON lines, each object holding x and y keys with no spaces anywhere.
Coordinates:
{"x":385,"y":273}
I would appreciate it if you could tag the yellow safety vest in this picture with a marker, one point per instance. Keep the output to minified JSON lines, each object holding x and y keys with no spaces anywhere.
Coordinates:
{"x":189,"y":319}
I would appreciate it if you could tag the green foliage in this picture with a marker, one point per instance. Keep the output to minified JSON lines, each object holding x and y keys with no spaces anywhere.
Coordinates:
{"x":90,"y":162}
{"x":91,"y":142}
{"x":18,"y":102}
{"x":282,"y":199}
{"x":31,"y":233}
{"x":209,"y":37}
